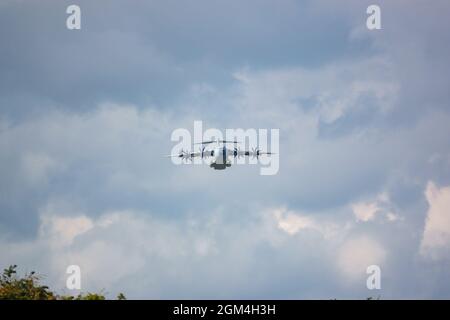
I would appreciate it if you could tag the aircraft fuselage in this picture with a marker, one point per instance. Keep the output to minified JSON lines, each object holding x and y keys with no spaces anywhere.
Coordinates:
{"x":220,"y":161}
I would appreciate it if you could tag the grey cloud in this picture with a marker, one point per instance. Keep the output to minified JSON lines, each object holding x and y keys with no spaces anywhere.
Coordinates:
{"x":149,"y":52}
{"x":85,"y":117}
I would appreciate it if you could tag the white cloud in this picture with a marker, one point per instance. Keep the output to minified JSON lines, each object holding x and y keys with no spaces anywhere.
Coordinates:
{"x":291,"y":222}
{"x":366,"y":211}
{"x":353,"y":253}
{"x":155,"y":254}
{"x":108,"y":249}
{"x":391,"y":217}
{"x":357,"y":254}
{"x":63,"y":230}
{"x":333,"y":90}
{"x":147,"y":256}
{"x":350,"y":250}
{"x":294,"y":222}
{"x":436,"y":235}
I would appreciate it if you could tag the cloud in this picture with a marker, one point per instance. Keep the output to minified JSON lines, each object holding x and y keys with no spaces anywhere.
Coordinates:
{"x":63,"y":230}
{"x":365,"y":211}
{"x":436,"y":235}
{"x":108,"y":160}
{"x":357,"y":254}
{"x":330,"y":93}
{"x":82,"y":133}
{"x":110,"y":149}
{"x":147,"y":255}
{"x":37,"y":167}
{"x":368,"y":211}
{"x":293,"y":222}
{"x":110,"y":248}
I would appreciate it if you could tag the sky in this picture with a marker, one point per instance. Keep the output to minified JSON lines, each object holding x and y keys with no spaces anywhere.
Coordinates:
{"x":364,"y":177}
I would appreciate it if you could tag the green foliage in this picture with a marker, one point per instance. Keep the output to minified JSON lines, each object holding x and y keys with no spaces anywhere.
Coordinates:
{"x":13,"y":287}
{"x":26,"y":288}
{"x":90,"y":296}
{"x":87,"y":296}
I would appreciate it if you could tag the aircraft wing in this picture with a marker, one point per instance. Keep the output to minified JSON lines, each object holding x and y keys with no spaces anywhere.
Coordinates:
{"x":186,"y":155}
{"x":253,"y":153}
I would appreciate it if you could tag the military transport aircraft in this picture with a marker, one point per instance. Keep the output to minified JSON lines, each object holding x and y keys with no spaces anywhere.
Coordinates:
{"x":220,"y":154}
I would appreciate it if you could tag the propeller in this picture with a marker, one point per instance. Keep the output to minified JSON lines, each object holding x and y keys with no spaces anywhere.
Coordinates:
{"x":202,"y":151}
{"x":217,"y":141}
{"x":256,"y":152}
{"x":206,"y":142}
{"x":184,"y":155}
{"x":237,"y":152}
{"x":187,"y":155}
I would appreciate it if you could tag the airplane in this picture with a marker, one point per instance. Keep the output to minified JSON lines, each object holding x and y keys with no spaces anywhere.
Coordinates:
{"x":220,"y":154}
